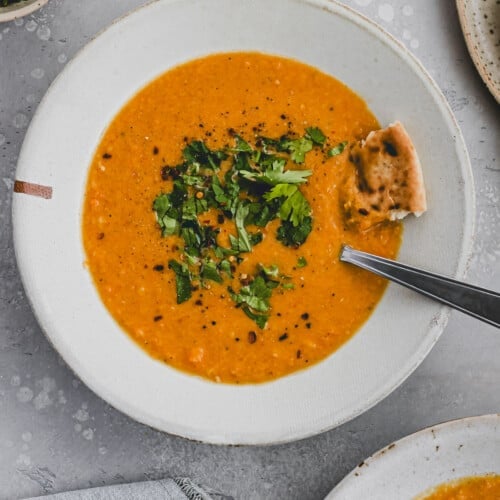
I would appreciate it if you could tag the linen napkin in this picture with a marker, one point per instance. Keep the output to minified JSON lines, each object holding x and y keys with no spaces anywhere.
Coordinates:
{"x":164,"y":489}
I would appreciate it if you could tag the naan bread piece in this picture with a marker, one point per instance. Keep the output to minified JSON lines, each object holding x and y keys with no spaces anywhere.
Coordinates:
{"x":387,"y":182}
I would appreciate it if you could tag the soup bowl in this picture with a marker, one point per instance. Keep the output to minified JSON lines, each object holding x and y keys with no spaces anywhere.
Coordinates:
{"x":54,"y":163}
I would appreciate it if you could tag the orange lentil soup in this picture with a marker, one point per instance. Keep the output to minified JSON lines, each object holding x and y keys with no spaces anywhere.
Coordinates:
{"x":469,"y":488}
{"x":211,"y":99}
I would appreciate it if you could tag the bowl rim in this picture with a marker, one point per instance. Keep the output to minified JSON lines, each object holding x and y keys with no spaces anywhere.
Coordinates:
{"x":402,"y":444}
{"x":17,"y":10}
{"x":440,"y":319}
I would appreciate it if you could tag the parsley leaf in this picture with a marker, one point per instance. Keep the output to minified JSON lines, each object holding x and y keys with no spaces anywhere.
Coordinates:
{"x":316,"y":135}
{"x":182,"y":280}
{"x":338,"y":149}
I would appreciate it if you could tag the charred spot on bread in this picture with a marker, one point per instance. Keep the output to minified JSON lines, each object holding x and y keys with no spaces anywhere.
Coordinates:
{"x":386,"y":181}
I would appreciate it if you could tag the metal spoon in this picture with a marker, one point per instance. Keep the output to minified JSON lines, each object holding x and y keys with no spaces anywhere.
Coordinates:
{"x":477,"y":302}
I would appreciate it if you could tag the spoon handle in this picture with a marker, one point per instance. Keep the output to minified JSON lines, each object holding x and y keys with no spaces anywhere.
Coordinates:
{"x":477,"y":302}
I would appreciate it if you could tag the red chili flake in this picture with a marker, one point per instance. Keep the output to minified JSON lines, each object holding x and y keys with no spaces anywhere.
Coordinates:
{"x":155,"y":150}
{"x":299,"y":354}
{"x":100,"y":236}
{"x":252,"y":337}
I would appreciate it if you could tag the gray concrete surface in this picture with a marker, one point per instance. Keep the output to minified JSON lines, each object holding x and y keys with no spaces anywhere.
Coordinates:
{"x":55,"y":434}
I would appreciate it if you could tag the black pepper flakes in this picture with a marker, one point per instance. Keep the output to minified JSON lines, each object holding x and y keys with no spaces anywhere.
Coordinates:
{"x":158,"y":318}
{"x":198,"y":302}
{"x":100,"y":236}
{"x":308,"y":325}
{"x":305,"y":316}
{"x":283,"y":337}
{"x":299,"y":354}
{"x":106,"y":156}
{"x":252,"y":337}
{"x":156,"y":150}
{"x":159,"y":267}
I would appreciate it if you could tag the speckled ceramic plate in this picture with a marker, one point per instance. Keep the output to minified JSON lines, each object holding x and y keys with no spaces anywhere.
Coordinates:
{"x":20,"y":9}
{"x":480,"y":21}
{"x":52,"y":173}
{"x":411,"y":466}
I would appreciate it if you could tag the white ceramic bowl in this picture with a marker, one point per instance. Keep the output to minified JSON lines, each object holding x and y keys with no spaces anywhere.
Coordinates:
{"x":416,"y":463}
{"x":20,"y":9}
{"x":57,"y":152}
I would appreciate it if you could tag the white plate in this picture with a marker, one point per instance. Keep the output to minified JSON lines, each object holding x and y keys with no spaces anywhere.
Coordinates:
{"x":416,"y":463}
{"x":20,"y":9}
{"x":59,"y":147}
{"x":480,"y":21}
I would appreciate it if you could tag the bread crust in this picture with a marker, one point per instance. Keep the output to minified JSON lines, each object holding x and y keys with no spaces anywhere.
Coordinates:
{"x":387,"y":181}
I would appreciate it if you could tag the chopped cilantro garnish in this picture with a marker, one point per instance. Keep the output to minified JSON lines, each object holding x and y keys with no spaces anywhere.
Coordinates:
{"x":275,"y":174}
{"x":294,"y":236}
{"x":169,"y":225}
{"x":338,"y":149}
{"x":302,"y":262}
{"x":182,"y":280}
{"x":298,"y":148}
{"x":209,"y":271}
{"x":198,"y":152}
{"x":294,"y":206}
{"x":256,"y":185}
{"x":316,"y":135}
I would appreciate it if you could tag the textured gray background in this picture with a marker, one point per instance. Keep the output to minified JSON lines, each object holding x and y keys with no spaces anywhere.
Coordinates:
{"x":55,"y":434}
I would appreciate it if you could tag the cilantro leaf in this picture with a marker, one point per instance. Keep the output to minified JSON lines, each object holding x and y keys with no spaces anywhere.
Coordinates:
{"x":294,"y":236}
{"x":198,"y":152}
{"x":295,"y":207}
{"x":260,"y":319}
{"x":316,"y":135}
{"x":182,"y":280}
{"x":168,"y":224}
{"x":338,"y":149}
{"x":302,"y":262}
{"x":271,"y":271}
{"x":256,"y":295}
{"x":225,"y":266}
{"x":244,"y":244}
{"x":241,"y":145}
{"x":276,"y":174}
{"x":209,"y":271}
{"x":298,"y":148}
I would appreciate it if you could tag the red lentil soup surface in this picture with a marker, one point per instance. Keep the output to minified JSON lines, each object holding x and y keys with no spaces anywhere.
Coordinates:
{"x":206,"y":99}
{"x":469,"y":488}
